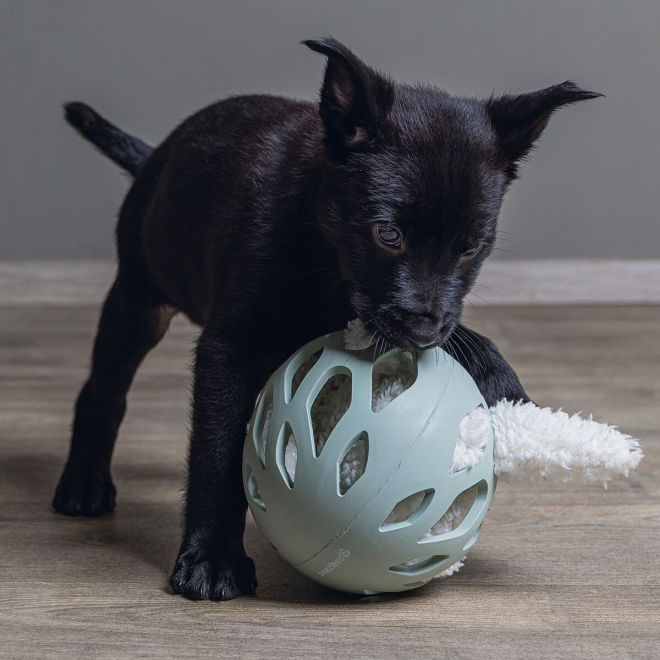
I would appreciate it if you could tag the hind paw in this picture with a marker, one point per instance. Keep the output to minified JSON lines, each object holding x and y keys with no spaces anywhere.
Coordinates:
{"x":84,"y":494}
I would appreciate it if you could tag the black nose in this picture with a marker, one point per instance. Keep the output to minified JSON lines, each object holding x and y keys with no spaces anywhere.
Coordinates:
{"x":422,"y":340}
{"x":423,"y":330}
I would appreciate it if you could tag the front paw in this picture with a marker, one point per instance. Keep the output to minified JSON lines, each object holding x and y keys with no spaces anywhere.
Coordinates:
{"x":84,"y":493}
{"x":198,"y":577}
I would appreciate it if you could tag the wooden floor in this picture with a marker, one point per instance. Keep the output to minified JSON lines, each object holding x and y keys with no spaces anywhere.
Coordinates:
{"x":559,"y":570}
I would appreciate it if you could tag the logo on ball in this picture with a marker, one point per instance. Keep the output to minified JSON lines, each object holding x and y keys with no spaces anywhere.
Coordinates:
{"x":342,"y":556}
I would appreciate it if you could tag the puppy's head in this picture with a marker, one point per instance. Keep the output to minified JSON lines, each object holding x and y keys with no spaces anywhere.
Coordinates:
{"x":412,"y":184}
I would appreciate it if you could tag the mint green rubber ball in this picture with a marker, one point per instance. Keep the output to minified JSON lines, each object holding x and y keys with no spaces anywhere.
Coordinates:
{"x":327,"y":502}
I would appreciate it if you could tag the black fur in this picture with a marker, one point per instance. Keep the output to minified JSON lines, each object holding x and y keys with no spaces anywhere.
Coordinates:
{"x":126,"y":150}
{"x":268,"y":222}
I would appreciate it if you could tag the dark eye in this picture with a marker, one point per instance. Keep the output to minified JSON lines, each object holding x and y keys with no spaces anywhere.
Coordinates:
{"x":472,"y":252}
{"x":388,"y":235}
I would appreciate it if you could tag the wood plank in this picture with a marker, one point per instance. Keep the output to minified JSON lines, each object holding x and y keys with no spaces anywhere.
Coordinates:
{"x":502,"y":282}
{"x":560,"y":570}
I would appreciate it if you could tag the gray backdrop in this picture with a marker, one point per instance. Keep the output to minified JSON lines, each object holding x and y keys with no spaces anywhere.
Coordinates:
{"x":590,"y":189}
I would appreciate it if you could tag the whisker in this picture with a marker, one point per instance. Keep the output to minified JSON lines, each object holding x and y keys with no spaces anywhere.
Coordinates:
{"x":461,"y":352}
{"x":450,"y":348}
{"x":478,"y":348}
{"x":471,"y":348}
{"x":495,"y":291}
{"x":487,"y":302}
{"x":505,"y":251}
{"x":376,"y":345}
{"x":469,"y":301}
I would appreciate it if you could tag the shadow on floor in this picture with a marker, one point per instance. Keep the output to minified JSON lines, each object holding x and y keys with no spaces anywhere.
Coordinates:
{"x":141,"y":537}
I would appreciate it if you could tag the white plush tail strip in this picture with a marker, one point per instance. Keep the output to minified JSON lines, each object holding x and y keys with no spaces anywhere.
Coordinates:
{"x":554,"y":444}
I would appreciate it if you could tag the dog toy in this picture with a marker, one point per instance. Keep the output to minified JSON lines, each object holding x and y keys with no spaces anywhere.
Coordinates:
{"x":371,"y":474}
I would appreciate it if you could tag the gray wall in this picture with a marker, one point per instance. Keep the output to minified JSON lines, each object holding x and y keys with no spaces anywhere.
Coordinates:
{"x":590,"y":189}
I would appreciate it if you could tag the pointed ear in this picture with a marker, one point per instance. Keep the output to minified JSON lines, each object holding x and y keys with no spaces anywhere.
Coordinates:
{"x":355,"y":100}
{"x":520,"y":120}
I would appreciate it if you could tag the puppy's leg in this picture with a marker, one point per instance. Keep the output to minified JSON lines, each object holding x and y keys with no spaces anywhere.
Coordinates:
{"x":212,"y":563}
{"x":131,"y":323}
{"x":479,"y":356}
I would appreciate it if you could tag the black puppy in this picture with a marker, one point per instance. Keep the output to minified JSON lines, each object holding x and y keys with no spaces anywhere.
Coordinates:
{"x":269,"y":222}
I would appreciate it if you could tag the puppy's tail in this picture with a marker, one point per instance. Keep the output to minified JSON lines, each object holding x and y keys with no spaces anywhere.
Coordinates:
{"x":126,"y":150}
